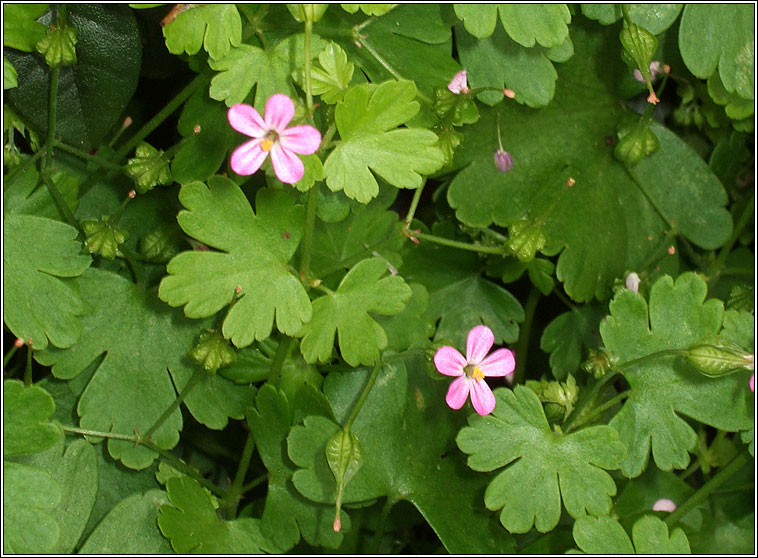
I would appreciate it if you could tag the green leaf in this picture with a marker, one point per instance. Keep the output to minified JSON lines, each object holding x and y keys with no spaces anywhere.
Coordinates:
{"x":208,"y":136}
{"x":343,"y":453}
{"x":478,"y":19}
{"x":498,"y":62}
{"x":215,"y":27}
{"x":37,"y":252}
{"x":473,"y":301}
{"x":411,"y":327}
{"x":245,"y":66}
{"x":286,"y":514}
{"x":736,"y":107}
{"x":26,"y":419}
{"x":567,"y":334}
{"x":548,"y":466}
{"x":600,"y":241}
{"x":636,"y":141}
{"x":333,"y":77}
{"x":93,"y":93}
{"x":10,"y":76}
{"x":130,"y":325}
{"x":103,"y":237}
{"x":712,"y":36}
{"x":130,"y":527}
{"x":547,"y":24}
{"x":367,"y":119}
{"x":212,"y":351}
{"x":20,"y":28}
{"x":604,"y":13}
{"x":77,"y":473}
{"x":656,"y":18}
{"x":30,"y":497}
{"x":640,"y":45}
{"x":404,"y":459}
{"x":193,"y":525}
{"x":255,"y":251}
{"x":661,"y":386}
{"x":368,"y":9}
{"x":363,"y":290}
{"x":603,"y":535}
{"x":25,"y":194}
{"x":148,"y":168}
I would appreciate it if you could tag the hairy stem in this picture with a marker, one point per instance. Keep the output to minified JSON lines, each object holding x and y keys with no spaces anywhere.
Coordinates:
{"x":310,"y":224}
{"x":28,"y":370}
{"x":414,"y":205}
{"x":87,"y":157}
{"x":307,"y":55}
{"x":235,"y":491}
{"x":276,"y":365}
{"x":363,"y":397}
{"x":461,"y":245}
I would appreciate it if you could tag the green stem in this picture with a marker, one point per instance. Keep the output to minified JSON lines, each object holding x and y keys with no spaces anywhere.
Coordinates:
{"x":9,"y":356}
{"x":200,"y":80}
{"x":588,"y":398}
{"x":310,"y":223}
{"x":28,"y":370}
{"x":87,"y":157}
{"x":651,"y":356}
{"x":694,"y":466}
{"x":522,"y":346}
{"x":601,"y":409}
{"x":363,"y":397}
{"x":199,"y":374}
{"x":736,"y":232}
{"x":414,"y":205}
{"x":461,"y":245}
{"x":708,"y":488}
{"x":175,"y":462}
{"x":235,"y":491}
{"x":307,"y":54}
{"x":496,"y":236}
{"x":379,"y":533}
{"x":253,"y":483}
{"x":279,"y":357}
{"x":355,"y":258}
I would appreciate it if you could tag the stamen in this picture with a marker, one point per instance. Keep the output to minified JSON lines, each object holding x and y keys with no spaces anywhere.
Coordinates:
{"x":267,"y":144}
{"x":477,"y":374}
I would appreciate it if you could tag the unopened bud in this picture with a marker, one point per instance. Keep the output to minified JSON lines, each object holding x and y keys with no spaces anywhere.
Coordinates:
{"x":337,"y":525}
{"x":503,"y":160}
{"x":671,"y":250}
{"x":18,"y":343}
{"x":127,"y":122}
{"x":570,"y":182}
{"x":459,"y":83}
{"x":196,"y":129}
{"x":132,"y":194}
{"x":510,"y":93}
{"x":664,"y":504}
{"x":633,"y":282}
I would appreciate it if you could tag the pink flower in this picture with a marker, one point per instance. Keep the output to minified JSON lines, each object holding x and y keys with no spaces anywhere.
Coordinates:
{"x":752,"y":383}
{"x":271,"y":135}
{"x":459,"y":83}
{"x":664,"y":504}
{"x":472,"y":370}
{"x":655,"y":69}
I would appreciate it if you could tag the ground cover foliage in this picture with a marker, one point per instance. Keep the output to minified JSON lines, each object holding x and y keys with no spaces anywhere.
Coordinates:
{"x":210,"y":350}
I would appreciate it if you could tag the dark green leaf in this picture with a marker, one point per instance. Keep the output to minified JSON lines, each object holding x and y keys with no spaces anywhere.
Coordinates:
{"x":26,"y":419}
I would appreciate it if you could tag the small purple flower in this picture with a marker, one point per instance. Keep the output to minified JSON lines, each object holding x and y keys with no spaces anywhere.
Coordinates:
{"x":503,"y":159}
{"x":459,"y":83}
{"x":271,"y":135}
{"x":472,"y":369}
{"x":664,"y":504}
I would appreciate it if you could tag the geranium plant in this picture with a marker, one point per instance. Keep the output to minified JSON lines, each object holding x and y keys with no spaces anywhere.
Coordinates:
{"x":378,"y":278}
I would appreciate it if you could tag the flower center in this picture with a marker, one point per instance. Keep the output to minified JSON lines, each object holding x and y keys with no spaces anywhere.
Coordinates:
{"x":472,"y":371}
{"x":269,"y":140}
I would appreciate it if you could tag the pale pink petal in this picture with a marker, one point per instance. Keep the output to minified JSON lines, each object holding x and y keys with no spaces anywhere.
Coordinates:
{"x":301,"y":139}
{"x":246,"y":119}
{"x":458,"y":83}
{"x":248,"y":158}
{"x":638,"y":75}
{"x":752,"y":382}
{"x":479,"y":342}
{"x":664,"y":504}
{"x":499,"y":363}
{"x":449,"y":361}
{"x":287,"y":166}
{"x":279,"y":112}
{"x":458,"y":392}
{"x":482,"y":397}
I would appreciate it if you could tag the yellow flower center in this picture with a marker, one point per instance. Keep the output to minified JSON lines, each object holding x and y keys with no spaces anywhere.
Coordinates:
{"x":267,"y":144}
{"x":472,"y":371}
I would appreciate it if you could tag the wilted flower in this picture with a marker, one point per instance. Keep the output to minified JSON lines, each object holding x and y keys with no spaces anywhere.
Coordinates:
{"x":655,"y":69}
{"x":270,"y":134}
{"x":503,"y":159}
{"x":459,"y":83}
{"x":472,"y":369}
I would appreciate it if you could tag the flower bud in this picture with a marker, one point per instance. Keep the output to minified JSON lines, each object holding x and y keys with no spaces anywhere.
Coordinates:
{"x":633,"y":282}
{"x":503,"y":160}
{"x":459,"y":83}
{"x":717,"y":356}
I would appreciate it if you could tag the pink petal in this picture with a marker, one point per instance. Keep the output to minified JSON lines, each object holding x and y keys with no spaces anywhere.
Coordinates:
{"x":482,"y":397}
{"x":279,"y":112}
{"x":458,"y":392}
{"x":287,"y":166}
{"x":449,"y":361}
{"x":301,"y":139}
{"x":752,"y":382}
{"x":499,"y":363}
{"x":246,"y":119}
{"x":458,"y":83}
{"x":479,"y":342}
{"x":664,"y":504}
{"x":248,"y":158}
